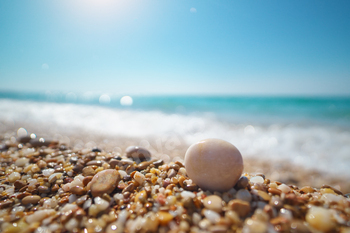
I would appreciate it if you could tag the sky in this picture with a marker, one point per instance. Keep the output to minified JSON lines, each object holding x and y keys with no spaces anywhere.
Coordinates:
{"x":233,"y":47}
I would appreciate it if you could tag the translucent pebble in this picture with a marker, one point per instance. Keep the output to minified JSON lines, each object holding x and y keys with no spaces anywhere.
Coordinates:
{"x":21,"y":162}
{"x":244,"y":195}
{"x":204,"y":224}
{"x":287,"y":214}
{"x":284,"y":188}
{"x":71,"y":224}
{"x":320,"y":218}
{"x":213,"y":202}
{"x":182,"y":171}
{"x":17,"y":209}
{"x":212,"y":216}
{"x":48,"y":172}
{"x":329,"y":197}
{"x":14,"y":176}
{"x":185,"y":194}
{"x":257,"y":180}
{"x":101,"y":203}
{"x":72,"y":198}
{"x":139,"y":177}
{"x":39,"y":215}
{"x":118,"y":196}
{"x":255,"y":226}
{"x":122,"y":173}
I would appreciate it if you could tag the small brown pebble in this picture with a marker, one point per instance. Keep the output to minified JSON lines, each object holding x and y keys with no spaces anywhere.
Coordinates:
{"x":78,"y":190}
{"x":88,"y":171}
{"x":113,"y":163}
{"x":63,"y":200}
{"x":19,"y":184}
{"x":191,"y":187}
{"x":179,"y":164}
{"x":175,"y":166}
{"x":24,"y":188}
{"x":171,"y":173}
{"x":6,"y":204}
{"x":158,"y":163}
{"x":104,"y":182}
{"x":275,"y":191}
{"x":87,"y":179}
{"x":129,"y":188}
{"x":41,"y":164}
{"x":263,"y":195}
{"x":137,"y":153}
{"x":241,"y":207}
{"x":55,"y":188}
{"x":43,"y":189}
{"x":143,"y":165}
{"x":94,"y":162}
{"x":78,"y":168}
{"x":23,"y":195}
{"x":32,"y":199}
{"x":67,"y":180}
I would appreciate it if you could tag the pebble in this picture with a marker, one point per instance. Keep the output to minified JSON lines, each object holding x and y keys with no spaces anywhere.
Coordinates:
{"x":214,"y":164}
{"x":164,"y":217}
{"x":242,"y":183}
{"x":255,"y":226}
{"x":242,"y":208}
{"x":78,"y":190}
{"x":244,"y":195}
{"x":320,"y":218}
{"x":284,"y":188}
{"x":104,"y":182}
{"x":14,"y":176}
{"x":211,"y":215}
{"x":88,"y":171}
{"x":213,"y":202}
{"x":139,"y":177}
{"x":137,"y":153}
{"x":32,"y":199}
{"x":21,"y":162}
{"x":257,"y":180}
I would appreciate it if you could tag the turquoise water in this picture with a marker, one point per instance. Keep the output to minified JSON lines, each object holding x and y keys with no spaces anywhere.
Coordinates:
{"x":233,"y":109}
{"x":310,"y":131}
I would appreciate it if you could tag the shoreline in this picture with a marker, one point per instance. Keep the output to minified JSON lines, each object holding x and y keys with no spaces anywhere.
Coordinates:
{"x":171,"y":150}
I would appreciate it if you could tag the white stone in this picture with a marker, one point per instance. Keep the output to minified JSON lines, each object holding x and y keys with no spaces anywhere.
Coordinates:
{"x":214,"y":164}
{"x":284,"y":188}
{"x":257,"y":180}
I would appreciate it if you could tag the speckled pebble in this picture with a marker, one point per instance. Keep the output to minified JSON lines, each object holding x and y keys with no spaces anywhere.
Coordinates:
{"x":104,"y":182}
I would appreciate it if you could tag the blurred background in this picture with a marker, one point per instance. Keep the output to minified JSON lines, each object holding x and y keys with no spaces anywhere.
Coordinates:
{"x":272,"y":77}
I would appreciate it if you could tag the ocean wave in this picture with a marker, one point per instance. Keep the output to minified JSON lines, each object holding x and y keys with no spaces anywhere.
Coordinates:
{"x":321,"y":147}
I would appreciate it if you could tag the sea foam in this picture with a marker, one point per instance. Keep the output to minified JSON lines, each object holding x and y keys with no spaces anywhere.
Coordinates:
{"x":322,"y":147}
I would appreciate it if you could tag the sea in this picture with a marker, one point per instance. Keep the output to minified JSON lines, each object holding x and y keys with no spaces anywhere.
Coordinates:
{"x":310,"y":131}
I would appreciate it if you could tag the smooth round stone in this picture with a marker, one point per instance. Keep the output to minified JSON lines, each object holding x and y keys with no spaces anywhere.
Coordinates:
{"x":32,"y":199}
{"x":213,"y":202}
{"x":104,"y":182}
{"x":214,"y":164}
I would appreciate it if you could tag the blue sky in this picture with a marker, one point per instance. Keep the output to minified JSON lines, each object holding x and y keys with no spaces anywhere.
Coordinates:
{"x":176,"y":47}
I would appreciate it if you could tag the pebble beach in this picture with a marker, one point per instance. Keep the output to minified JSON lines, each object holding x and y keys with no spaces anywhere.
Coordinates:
{"x":49,"y":186}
